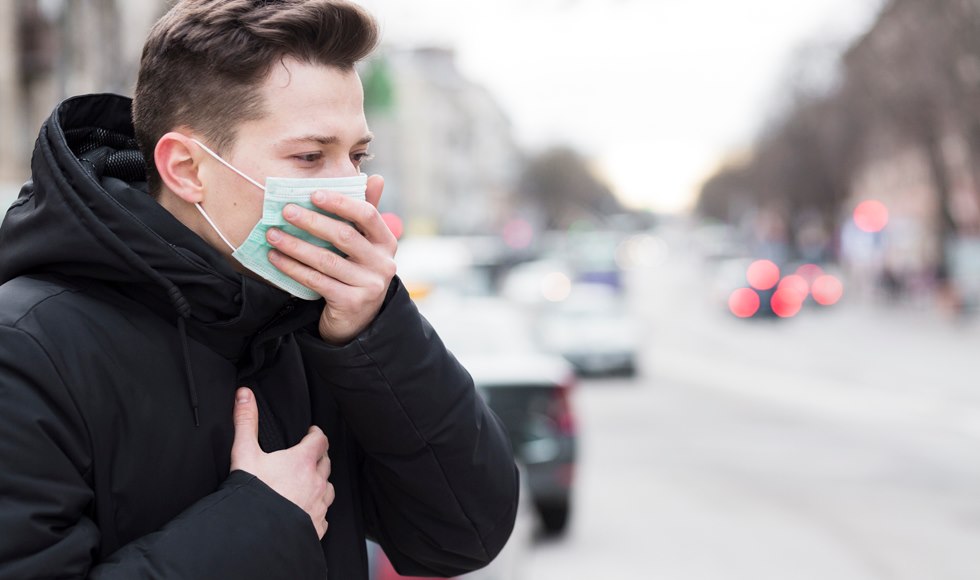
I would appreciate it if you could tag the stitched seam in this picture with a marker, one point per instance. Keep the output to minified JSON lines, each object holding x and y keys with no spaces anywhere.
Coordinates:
{"x":428,"y":446}
{"x":63,"y":383}
{"x":36,"y":304}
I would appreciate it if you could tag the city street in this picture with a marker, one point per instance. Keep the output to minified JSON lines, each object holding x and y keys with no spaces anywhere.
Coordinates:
{"x":842,"y":444}
{"x":556,"y":174}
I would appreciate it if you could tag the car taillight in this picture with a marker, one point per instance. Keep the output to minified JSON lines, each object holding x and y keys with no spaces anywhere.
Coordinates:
{"x":385,"y":571}
{"x":561,"y":406}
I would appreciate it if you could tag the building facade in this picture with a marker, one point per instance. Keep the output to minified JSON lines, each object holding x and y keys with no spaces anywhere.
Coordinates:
{"x":443,"y":143}
{"x":52,"y":49}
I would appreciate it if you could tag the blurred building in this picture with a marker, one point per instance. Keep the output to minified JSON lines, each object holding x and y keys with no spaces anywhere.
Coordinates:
{"x":443,"y":143}
{"x":52,"y":49}
{"x":900,"y":125}
{"x":920,"y":157}
{"x":909,"y":253}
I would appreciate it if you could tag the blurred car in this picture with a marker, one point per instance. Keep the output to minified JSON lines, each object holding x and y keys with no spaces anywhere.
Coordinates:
{"x":537,"y":281}
{"x":529,"y":390}
{"x":593,"y":256}
{"x":510,"y":564}
{"x":592,"y":330}
{"x":531,"y":394}
{"x":439,"y":264}
{"x":760,"y":288}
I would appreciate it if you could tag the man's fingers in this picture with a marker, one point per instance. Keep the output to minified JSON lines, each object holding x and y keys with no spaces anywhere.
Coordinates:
{"x":363,"y":214}
{"x":313,"y":430}
{"x":246,"y":419}
{"x":375,"y":185}
{"x":318,"y":259}
{"x":330,"y":495}
{"x":315,"y":443}
{"x":323,"y":466}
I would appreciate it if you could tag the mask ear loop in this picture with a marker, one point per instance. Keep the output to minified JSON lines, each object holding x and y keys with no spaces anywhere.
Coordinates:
{"x":228,"y":165}
{"x":233,"y":168}
{"x":214,"y":227}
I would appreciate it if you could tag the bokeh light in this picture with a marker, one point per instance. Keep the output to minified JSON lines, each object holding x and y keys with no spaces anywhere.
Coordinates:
{"x":556,"y":286}
{"x":762,"y":274}
{"x":827,"y":290}
{"x":641,"y":251}
{"x":518,"y":234}
{"x":394,"y":224}
{"x":795,"y":286}
{"x":871,"y":216}
{"x":786,"y":302}
{"x":744,"y":302}
{"x":809,"y":272}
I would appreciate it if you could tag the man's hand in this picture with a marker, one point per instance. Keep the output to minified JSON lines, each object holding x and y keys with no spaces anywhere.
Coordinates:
{"x":299,"y":473}
{"x":354,"y":287}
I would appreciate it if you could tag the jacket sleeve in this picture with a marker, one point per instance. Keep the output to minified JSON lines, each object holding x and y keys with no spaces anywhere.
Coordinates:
{"x":440,"y":485}
{"x":46,"y":499}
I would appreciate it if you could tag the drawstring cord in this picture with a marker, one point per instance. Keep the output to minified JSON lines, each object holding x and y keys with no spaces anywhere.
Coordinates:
{"x":191,"y":386}
{"x":184,"y":312}
{"x":131,"y":258}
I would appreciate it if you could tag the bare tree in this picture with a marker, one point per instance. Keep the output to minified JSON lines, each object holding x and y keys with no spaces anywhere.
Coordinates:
{"x":911,"y":81}
{"x":909,"y":73}
{"x":564,"y":189}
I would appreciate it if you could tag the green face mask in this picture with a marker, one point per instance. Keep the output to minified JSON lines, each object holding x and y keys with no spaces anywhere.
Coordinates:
{"x":253,"y":254}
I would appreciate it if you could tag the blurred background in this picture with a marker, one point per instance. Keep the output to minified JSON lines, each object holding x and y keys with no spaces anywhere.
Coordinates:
{"x":715,"y":264}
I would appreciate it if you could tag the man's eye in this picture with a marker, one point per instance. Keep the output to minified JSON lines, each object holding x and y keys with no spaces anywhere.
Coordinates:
{"x":361,"y":157}
{"x":308,"y":157}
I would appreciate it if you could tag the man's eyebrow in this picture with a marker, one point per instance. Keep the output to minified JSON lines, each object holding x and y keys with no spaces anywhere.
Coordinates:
{"x":325,"y":139}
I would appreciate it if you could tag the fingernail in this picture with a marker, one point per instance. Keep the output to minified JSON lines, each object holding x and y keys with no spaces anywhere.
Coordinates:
{"x":290,"y":211}
{"x":242,"y":396}
{"x":273,"y":256}
{"x":319,"y":197}
{"x":275,"y":235}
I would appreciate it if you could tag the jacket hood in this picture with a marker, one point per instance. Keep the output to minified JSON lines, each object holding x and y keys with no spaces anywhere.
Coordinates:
{"x":86,"y":214}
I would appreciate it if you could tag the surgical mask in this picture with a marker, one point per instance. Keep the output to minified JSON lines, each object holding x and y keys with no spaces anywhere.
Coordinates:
{"x":253,"y":254}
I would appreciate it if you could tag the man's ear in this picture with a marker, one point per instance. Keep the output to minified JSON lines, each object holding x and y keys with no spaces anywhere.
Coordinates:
{"x":177,"y":160}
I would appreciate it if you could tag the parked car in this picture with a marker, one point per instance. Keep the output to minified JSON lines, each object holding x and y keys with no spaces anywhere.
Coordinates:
{"x":592,"y":329}
{"x":537,"y":282}
{"x":593,"y":256}
{"x":532,"y":396}
{"x":760,"y":288}
{"x":529,"y":390}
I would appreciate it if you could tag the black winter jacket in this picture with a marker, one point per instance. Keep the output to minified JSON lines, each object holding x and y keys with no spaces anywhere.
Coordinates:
{"x":123,"y":337}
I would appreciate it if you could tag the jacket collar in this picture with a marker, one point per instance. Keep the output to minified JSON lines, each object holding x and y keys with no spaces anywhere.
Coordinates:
{"x":86,"y":213}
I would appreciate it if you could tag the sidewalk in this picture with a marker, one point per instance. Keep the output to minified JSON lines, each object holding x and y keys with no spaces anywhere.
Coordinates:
{"x":929,"y":320}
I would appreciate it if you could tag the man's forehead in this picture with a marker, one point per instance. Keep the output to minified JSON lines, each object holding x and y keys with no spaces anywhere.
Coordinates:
{"x":313,"y":104}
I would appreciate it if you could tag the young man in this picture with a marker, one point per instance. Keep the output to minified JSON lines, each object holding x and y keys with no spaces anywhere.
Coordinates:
{"x":190,"y":346}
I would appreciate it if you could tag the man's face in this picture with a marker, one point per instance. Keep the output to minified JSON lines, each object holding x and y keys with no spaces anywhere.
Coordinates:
{"x":314,"y":127}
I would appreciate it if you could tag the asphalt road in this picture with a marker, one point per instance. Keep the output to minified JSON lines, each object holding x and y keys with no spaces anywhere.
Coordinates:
{"x":843,"y":444}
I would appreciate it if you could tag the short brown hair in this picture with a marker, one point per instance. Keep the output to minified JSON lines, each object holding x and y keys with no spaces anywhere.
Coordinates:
{"x":203,"y":61}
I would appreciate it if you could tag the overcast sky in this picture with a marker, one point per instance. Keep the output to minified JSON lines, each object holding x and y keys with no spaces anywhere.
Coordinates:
{"x":656,"y":91}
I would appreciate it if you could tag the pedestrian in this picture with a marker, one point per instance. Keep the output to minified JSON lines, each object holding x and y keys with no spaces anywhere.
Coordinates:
{"x":203,"y":341}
